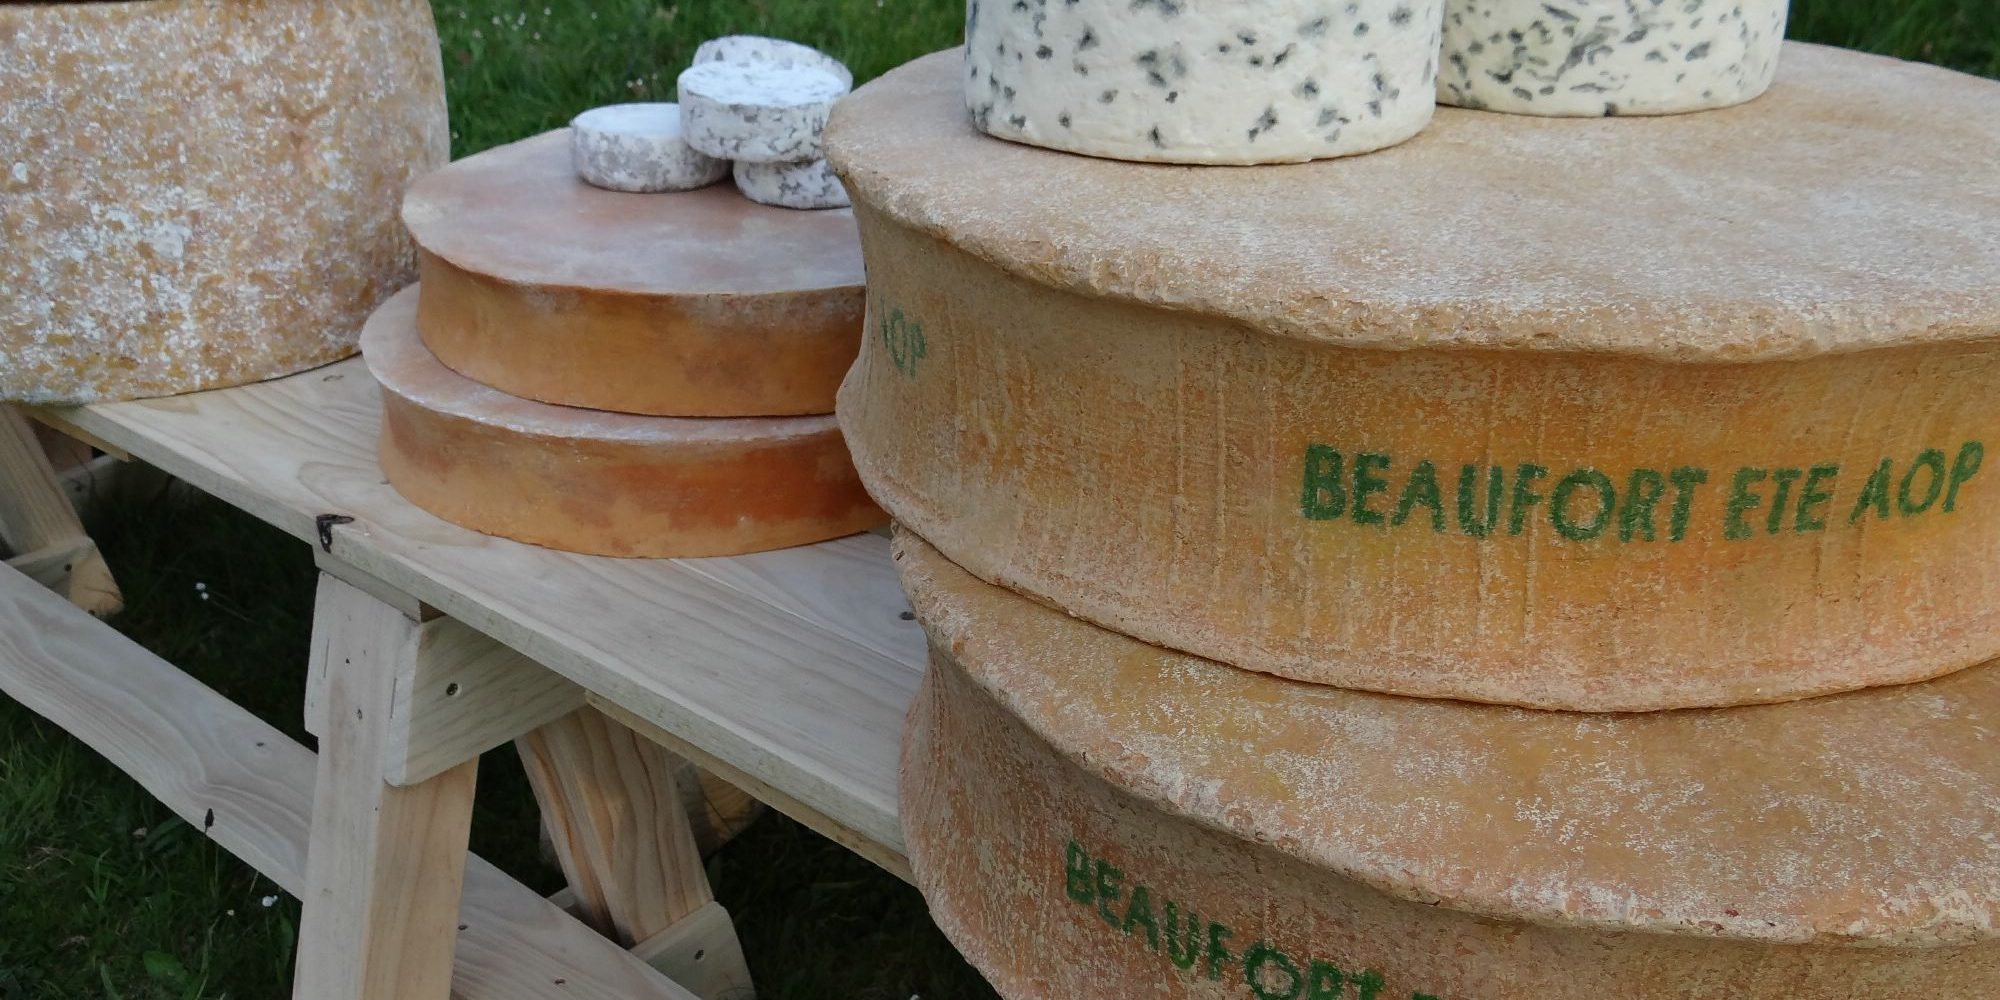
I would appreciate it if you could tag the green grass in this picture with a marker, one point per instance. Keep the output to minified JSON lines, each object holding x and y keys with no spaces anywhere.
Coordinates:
{"x":104,"y":894}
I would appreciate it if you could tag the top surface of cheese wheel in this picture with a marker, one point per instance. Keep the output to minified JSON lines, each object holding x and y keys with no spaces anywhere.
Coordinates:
{"x":1838,"y":212}
{"x":519,"y":214}
{"x":1855,"y":819}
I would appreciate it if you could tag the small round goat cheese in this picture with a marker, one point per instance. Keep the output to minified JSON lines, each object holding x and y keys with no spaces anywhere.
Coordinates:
{"x":791,"y":185}
{"x":759,"y":114}
{"x":1173,"y":81}
{"x":757,"y":50}
{"x":1587,"y":57}
{"x":638,"y":147}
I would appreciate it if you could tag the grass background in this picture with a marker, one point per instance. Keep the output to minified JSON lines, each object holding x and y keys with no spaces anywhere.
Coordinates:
{"x":104,"y":894}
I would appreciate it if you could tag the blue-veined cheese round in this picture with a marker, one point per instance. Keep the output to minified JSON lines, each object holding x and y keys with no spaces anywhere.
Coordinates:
{"x":812,"y":184}
{"x":638,"y":147}
{"x":1175,"y":81}
{"x":759,"y":114}
{"x":757,"y":50}
{"x":1608,"y":57}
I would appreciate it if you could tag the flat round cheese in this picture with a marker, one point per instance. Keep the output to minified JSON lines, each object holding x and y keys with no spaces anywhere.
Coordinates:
{"x":608,"y":484}
{"x":764,"y":113}
{"x":638,"y":147}
{"x":699,"y":304}
{"x":757,"y":50}
{"x":1089,"y":815}
{"x":1709,"y":428}
{"x":197,"y":195}
{"x":810,"y":185}
{"x":1579,"y":57}
{"x":1252,"y":81}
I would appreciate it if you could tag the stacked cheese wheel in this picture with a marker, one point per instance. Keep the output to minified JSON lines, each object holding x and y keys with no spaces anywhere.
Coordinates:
{"x":1282,"y":81}
{"x":1584,"y":585}
{"x":757,"y":103}
{"x":620,"y":373}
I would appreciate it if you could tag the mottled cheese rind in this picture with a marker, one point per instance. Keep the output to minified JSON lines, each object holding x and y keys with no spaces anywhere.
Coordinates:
{"x":759,"y":114}
{"x":638,"y":148}
{"x":702,"y":304}
{"x":1173,"y":81}
{"x":1551,"y":530}
{"x":599,"y":483}
{"x":810,"y":185}
{"x":758,"y":50}
{"x":200,"y":194}
{"x":1587,"y":58}
{"x":1063,"y":786}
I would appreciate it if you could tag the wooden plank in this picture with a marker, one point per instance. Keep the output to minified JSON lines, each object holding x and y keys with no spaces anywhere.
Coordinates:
{"x":51,"y":567}
{"x":612,"y":806}
{"x":702,"y":953}
{"x":886,"y":854}
{"x":36,"y":516}
{"x":249,"y":787}
{"x":385,"y":864}
{"x":411,"y":608}
{"x":794,"y":668}
{"x":47,"y":416}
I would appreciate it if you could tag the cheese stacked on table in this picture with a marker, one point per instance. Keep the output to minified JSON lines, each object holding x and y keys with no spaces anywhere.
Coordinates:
{"x":1540,"y":561}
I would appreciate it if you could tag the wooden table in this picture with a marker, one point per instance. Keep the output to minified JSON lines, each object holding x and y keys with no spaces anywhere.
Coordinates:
{"x":787,"y":673}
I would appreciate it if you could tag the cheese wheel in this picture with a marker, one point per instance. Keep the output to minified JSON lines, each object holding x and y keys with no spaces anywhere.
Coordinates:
{"x":638,"y":148}
{"x":700,"y":305}
{"x":1088,"y":815}
{"x":196,"y":194}
{"x":1255,"y":81}
{"x":607,"y":484}
{"x":1578,"y":57}
{"x":1650,"y":413}
{"x":757,"y":50}
{"x":759,"y":114}
{"x":791,"y":185}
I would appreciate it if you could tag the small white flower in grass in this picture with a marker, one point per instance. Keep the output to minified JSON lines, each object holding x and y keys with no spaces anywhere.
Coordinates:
{"x":269,"y":901}
{"x":229,"y":913}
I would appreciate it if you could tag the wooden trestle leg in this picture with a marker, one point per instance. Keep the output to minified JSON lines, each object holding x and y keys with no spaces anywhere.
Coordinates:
{"x":41,"y":529}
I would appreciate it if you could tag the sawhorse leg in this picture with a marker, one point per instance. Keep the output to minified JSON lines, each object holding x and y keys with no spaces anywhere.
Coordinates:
{"x":41,"y":528}
{"x":385,"y":864}
{"x":622,"y":835}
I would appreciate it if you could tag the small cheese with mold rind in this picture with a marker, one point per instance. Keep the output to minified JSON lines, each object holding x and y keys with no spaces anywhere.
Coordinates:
{"x":757,"y":50}
{"x":791,"y":185}
{"x":1258,"y":81}
{"x":759,"y":114}
{"x":1584,"y":58}
{"x":638,"y":147}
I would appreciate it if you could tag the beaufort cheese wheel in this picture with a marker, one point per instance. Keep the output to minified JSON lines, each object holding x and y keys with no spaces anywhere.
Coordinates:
{"x":1649,"y":413}
{"x":638,"y":147}
{"x":608,"y":484}
{"x":757,"y":50}
{"x":766,"y":113}
{"x":1091,"y":816}
{"x":198,"y":194}
{"x":1586,"y":57}
{"x":701,"y":304}
{"x":1253,"y":81}
{"x":791,"y":185}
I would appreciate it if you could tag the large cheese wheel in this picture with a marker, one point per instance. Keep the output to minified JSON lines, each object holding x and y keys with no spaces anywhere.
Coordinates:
{"x":1091,"y":816}
{"x":1249,"y":81}
{"x":198,"y":194}
{"x":1611,"y":414}
{"x":608,"y":484}
{"x":697,"y":303}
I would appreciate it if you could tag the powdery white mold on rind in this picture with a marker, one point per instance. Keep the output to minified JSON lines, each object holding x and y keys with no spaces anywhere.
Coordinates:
{"x":1588,"y":57}
{"x":757,"y":50}
{"x":610,"y":484}
{"x":810,"y":185}
{"x":639,"y":148}
{"x":1173,"y":81}
{"x":1074,"y":800}
{"x":758,"y":114}
{"x":1316,"y":420}
{"x":156,"y":246}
